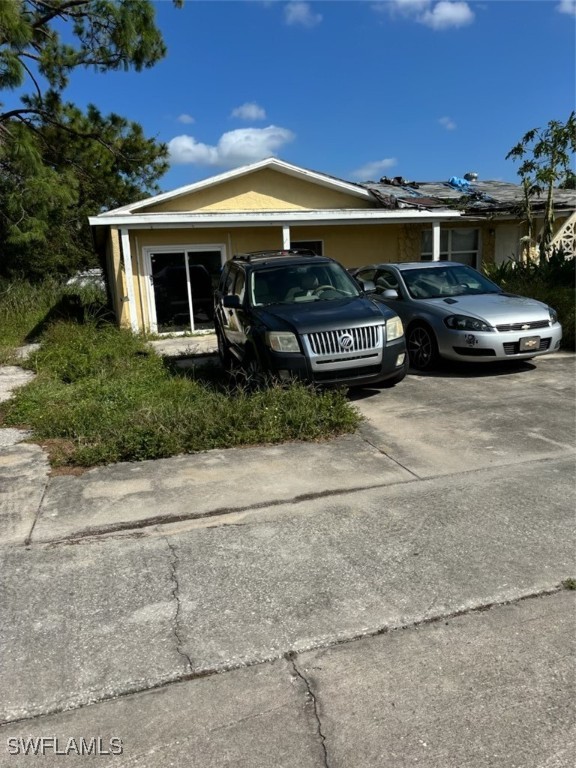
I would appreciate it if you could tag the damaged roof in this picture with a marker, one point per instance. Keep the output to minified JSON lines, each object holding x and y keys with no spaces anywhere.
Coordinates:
{"x":472,"y":197}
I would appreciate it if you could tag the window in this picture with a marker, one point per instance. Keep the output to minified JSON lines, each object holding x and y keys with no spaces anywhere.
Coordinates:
{"x":239,"y":285}
{"x":227,"y":281}
{"x":455,"y":245}
{"x":386,"y":281}
{"x":308,"y":245}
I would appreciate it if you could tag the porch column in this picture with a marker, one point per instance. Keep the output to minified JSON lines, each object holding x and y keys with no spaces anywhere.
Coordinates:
{"x":127,"y":260}
{"x":286,"y":237}
{"x":435,"y":241}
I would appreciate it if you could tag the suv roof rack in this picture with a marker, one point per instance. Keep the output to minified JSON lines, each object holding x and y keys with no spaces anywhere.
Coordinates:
{"x":257,"y":255}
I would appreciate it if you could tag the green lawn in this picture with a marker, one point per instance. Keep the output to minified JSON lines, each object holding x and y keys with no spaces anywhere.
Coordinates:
{"x":102,"y":396}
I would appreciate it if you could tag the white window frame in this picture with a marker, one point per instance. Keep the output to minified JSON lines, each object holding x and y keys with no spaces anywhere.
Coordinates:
{"x":449,"y":252}
{"x":147,"y":252}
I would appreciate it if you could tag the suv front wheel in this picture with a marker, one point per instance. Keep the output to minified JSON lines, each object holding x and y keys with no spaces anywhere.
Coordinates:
{"x":226,"y":358}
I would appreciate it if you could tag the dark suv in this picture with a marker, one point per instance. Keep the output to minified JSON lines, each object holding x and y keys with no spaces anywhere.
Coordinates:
{"x":295,"y":314}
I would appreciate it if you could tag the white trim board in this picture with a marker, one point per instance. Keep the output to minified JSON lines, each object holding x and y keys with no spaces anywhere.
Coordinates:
{"x":263,"y":218}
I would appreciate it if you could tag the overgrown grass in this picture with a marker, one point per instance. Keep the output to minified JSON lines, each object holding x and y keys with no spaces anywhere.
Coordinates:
{"x":549,"y":280}
{"x":101,"y":396}
{"x":27,"y":308}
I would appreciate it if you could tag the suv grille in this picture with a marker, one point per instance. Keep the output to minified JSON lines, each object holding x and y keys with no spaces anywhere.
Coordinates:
{"x":523,"y":326}
{"x":367,"y":337}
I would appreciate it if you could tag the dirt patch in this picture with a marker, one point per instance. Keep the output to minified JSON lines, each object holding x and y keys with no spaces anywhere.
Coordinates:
{"x":59,"y":452}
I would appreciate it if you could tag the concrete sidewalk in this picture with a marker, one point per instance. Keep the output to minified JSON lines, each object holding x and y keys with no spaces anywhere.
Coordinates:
{"x":491,"y":688}
{"x":391,"y":598}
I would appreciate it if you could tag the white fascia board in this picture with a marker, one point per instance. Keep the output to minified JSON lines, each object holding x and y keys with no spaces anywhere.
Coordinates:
{"x":270,"y":162}
{"x":375,"y":216}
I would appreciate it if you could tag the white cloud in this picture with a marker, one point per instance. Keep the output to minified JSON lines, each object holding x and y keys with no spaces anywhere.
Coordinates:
{"x":240,"y":147}
{"x":374,"y":169}
{"x":447,"y":14}
{"x":301,"y":13}
{"x":249,"y":111}
{"x":407,"y":7}
{"x":188,"y":119}
{"x":567,"y":6}
{"x":448,"y":123}
{"x":437,"y":15}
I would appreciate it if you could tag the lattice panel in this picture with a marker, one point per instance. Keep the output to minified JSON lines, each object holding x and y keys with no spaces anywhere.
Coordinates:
{"x":566,"y":237}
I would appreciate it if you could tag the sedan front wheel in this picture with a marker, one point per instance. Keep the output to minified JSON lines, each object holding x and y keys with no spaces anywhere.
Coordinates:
{"x":422,"y":348}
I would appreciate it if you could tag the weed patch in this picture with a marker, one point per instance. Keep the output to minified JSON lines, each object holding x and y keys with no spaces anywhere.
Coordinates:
{"x":101,"y":396}
{"x":27,"y":309}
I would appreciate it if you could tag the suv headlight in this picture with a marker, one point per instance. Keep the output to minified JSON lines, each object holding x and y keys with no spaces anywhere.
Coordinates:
{"x":553,"y":316}
{"x":394,"y":328}
{"x":464,"y":323}
{"x":282,"y":341}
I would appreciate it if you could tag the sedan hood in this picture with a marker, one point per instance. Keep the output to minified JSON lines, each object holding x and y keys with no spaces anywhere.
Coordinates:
{"x":307,"y":317}
{"x":496,"y":308}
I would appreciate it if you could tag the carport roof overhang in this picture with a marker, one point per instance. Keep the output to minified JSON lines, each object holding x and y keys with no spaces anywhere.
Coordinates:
{"x":270,"y":218}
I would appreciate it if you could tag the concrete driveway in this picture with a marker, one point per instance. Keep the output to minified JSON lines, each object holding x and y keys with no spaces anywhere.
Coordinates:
{"x":391,"y":598}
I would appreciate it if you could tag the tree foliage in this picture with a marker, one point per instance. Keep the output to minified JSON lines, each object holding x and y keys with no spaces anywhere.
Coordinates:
{"x":545,"y":156}
{"x":59,"y":164}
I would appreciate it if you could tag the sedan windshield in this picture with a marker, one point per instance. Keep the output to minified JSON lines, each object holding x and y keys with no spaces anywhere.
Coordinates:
{"x":440,"y":281}
{"x":291,"y":284}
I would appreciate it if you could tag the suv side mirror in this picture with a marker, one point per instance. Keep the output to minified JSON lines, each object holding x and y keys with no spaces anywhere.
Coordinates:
{"x":231,"y":301}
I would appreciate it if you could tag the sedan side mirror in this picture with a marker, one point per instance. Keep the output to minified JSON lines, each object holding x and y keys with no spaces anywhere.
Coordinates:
{"x":389,"y":293}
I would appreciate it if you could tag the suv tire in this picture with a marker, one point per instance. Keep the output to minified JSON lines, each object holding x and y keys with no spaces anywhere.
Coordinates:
{"x":226,"y":357}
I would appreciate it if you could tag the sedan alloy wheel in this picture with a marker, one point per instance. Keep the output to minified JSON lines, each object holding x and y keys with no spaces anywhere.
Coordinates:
{"x":422,"y":348}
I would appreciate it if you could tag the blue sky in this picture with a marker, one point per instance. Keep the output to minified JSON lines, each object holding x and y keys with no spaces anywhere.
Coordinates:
{"x":425,"y":89}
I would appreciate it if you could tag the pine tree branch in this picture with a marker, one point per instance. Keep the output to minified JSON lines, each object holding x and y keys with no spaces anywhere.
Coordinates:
{"x":61,"y":11}
{"x":31,"y":76}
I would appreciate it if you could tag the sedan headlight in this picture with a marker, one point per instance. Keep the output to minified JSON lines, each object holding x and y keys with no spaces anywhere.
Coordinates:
{"x":282,"y":341}
{"x":553,"y":315}
{"x":465,"y":323}
{"x":394,"y":328}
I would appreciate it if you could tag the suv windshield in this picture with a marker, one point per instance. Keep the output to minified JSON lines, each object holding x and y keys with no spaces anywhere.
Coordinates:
{"x":294,"y":283}
{"x":436,"y":282}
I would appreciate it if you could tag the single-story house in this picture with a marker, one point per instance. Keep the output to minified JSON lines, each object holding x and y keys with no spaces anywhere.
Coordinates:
{"x":164,"y":254}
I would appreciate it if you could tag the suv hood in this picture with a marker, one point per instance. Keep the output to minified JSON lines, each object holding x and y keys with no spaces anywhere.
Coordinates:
{"x":308,"y":317}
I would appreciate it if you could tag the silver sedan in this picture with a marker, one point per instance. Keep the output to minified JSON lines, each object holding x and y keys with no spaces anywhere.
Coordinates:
{"x":451,"y":310}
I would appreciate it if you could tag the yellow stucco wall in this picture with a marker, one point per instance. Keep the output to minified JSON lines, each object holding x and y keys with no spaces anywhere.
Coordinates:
{"x":352,"y":245}
{"x":260,"y":191}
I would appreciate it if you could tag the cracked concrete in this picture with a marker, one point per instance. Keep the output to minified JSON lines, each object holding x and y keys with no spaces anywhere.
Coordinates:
{"x":487,"y":688}
{"x":422,"y":618}
{"x":315,"y":706}
{"x":83,"y":624}
{"x":126,"y":495}
{"x":176,"y":596}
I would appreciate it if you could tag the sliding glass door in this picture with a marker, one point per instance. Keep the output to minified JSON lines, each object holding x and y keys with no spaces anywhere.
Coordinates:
{"x":183,"y":284}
